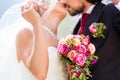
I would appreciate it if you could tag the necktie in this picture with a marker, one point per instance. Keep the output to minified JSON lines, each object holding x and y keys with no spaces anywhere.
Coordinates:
{"x":83,"y":23}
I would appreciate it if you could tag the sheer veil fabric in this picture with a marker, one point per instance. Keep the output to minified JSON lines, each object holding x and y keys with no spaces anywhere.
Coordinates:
{"x":13,"y":14}
{"x":10,"y":24}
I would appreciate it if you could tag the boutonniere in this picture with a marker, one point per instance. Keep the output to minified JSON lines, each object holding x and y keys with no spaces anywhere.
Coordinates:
{"x":97,"y":30}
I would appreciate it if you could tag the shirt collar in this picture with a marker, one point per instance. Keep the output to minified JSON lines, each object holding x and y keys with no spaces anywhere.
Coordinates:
{"x":117,"y":5}
{"x":90,"y":9}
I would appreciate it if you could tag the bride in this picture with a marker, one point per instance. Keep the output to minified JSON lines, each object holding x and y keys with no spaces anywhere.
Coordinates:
{"x":35,"y":47}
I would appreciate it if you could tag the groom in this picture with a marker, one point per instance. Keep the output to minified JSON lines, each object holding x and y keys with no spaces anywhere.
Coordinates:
{"x":108,"y":49}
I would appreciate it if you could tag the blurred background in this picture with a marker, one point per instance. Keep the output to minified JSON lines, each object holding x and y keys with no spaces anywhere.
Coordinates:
{"x":5,"y":4}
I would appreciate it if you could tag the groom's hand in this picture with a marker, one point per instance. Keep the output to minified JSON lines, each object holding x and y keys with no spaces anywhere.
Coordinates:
{"x":60,"y":9}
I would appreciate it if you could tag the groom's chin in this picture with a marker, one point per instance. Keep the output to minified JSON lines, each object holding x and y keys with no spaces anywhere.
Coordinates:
{"x":74,"y":13}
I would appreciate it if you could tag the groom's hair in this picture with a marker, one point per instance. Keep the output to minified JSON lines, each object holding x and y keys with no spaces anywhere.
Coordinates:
{"x":94,"y":1}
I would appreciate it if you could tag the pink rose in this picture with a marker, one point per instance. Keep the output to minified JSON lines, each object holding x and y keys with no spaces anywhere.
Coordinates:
{"x":62,"y":49}
{"x":93,"y":28}
{"x":86,"y":40}
{"x":91,"y":48}
{"x":80,"y":59}
{"x":94,"y":61}
{"x":71,"y":55}
{"x":81,"y":49}
{"x":77,"y":36}
{"x":77,"y":72}
{"x":84,"y":71}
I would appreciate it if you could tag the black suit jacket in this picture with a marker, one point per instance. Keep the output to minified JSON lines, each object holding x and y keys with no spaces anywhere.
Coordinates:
{"x":108,"y":49}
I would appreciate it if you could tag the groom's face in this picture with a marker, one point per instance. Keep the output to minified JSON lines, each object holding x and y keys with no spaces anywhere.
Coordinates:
{"x":115,"y":1}
{"x":75,"y":6}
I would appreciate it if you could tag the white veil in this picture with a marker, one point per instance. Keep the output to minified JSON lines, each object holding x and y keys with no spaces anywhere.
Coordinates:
{"x":13,"y":14}
{"x":10,"y":24}
{"x":13,"y":17}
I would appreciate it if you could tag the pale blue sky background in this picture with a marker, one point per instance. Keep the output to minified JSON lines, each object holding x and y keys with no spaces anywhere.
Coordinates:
{"x":5,"y":4}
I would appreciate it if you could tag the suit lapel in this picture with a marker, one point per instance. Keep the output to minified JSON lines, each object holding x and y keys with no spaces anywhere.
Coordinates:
{"x":94,"y":16}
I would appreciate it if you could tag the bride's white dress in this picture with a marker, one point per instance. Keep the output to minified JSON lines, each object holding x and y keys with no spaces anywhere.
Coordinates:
{"x":10,"y":69}
{"x":56,"y":70}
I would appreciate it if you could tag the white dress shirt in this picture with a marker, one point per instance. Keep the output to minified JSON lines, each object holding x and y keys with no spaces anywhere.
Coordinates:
{"x":118,"y":5}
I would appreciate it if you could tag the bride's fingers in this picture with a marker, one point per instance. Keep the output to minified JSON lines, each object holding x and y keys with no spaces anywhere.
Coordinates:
{"x":22,"y":8}
{"x":30,"y":14}
{"x":26,"y":8}
{"x":31,"y":6}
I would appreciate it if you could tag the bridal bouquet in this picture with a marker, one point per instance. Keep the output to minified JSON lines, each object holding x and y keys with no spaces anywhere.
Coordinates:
{"x":78,"y":52}
{"x":97,"y":29}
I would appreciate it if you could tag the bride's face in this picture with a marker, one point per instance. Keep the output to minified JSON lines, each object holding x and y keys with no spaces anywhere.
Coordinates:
{"x":75,"y":6}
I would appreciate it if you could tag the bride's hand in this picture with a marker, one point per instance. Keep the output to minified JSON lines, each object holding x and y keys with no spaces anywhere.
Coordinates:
{"x":30,"y":14}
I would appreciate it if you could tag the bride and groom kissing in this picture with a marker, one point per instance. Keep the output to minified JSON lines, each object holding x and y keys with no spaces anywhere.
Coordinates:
{"x":37,"y":48}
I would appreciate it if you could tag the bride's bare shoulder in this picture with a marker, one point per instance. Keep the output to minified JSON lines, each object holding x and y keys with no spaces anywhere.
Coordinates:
{"x":24,"y":41}
{"x":25,"y":35}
